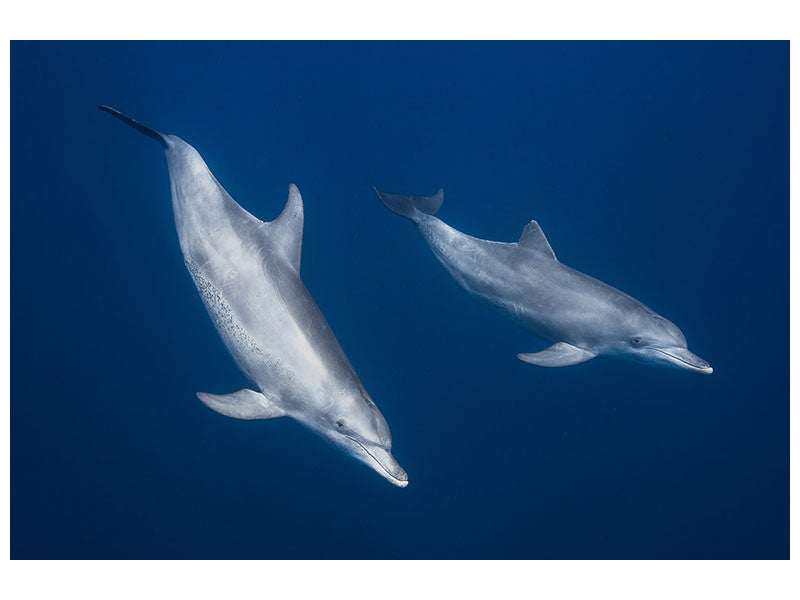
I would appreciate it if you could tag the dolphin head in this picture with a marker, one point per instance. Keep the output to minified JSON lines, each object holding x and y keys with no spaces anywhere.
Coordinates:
{"x":654,"y":339}
{"x":356,"y":426}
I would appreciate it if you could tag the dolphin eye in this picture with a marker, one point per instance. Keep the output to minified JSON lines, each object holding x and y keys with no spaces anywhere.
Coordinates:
{"x":339,"y":424}
{"x":636,"y":341}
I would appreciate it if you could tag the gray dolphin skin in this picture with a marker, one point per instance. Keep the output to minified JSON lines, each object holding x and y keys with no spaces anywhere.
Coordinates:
{"x":248,"y":274}
{"x":582,"y":316}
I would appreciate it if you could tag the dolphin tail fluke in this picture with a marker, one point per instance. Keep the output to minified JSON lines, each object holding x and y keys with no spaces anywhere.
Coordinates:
{"x":411,"y":207}
{"x":148,"y":131}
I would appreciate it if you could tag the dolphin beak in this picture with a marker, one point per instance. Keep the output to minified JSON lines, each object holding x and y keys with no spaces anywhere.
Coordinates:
{"x":684,"y":359}
{"x":388,"y":466}
{"x":384,"y":463}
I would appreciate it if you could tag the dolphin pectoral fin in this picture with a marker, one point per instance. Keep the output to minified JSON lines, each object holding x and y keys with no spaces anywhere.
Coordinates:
{"x":558,"y":355}
{"x":244,"y":404}
{"x":533,"y":238}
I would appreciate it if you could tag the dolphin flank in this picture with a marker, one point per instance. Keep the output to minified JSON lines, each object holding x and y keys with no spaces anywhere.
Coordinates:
{"x":582,"y":316}
{"x":248,"y":274}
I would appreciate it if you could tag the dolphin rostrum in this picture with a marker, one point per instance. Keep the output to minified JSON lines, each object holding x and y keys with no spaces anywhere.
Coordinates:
{"x":582,"y":316}
{"x":248,"y":275}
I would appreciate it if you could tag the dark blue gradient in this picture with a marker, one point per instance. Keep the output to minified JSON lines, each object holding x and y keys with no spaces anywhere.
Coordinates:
{"x":661,"y":168}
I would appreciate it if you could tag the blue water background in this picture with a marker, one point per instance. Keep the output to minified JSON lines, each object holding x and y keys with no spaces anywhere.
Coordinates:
{"x":660,"y":168}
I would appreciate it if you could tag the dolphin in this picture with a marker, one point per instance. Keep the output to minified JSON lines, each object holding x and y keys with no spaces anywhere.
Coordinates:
{"x":582,"y":316}
{"x":248,"y":274}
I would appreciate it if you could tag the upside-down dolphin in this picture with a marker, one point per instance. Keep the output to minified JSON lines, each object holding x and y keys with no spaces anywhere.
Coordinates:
{"x":248,"y":275}
{"x":582,"y":316}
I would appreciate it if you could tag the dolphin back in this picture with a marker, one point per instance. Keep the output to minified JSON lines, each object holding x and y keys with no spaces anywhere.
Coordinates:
{"x":411,"y":207}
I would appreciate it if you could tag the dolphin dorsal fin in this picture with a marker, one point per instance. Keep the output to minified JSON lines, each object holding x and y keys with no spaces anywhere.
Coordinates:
{"x":533,"y":238}
{"x":286,"y":231}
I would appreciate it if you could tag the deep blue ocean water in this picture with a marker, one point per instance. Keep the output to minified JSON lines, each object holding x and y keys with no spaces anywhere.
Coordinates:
{"x":660,"y":168}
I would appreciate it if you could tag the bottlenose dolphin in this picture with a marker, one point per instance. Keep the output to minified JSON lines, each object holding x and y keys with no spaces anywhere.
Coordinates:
{"x":525,"y":281}
{"x":248,"y":275}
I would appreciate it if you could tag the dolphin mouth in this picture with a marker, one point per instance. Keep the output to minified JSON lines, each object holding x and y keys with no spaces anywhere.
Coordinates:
{"x":684,"y":359}
{"x":398,"y":478}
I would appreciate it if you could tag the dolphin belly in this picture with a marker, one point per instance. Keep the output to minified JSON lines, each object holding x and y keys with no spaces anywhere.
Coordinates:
{"x":272,"y":327}
{"x":538,"y":294}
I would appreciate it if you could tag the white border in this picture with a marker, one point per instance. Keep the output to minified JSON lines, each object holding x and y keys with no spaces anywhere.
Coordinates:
{"x":410,"y":19}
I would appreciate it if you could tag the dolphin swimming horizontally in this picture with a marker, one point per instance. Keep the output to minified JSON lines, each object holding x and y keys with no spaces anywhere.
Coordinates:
{"x":525,"y":281}
{"x":248,"y":275}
